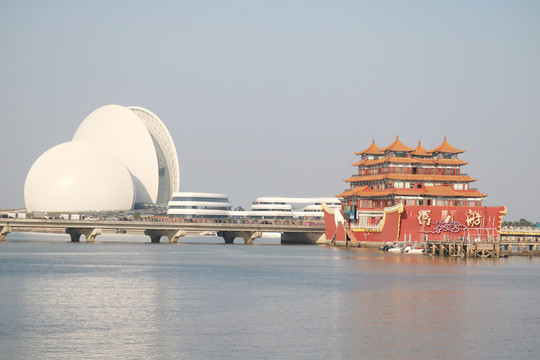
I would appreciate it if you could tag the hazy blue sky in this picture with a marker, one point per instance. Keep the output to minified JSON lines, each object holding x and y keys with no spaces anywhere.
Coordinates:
{"x":272,"y":98}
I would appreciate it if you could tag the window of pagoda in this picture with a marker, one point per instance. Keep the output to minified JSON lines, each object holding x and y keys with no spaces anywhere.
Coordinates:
{"x":448,"y":171}
{"x":400,"y":169}
{"x":400,"y":154}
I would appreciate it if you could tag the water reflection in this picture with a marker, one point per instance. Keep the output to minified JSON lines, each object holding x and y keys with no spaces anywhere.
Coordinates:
{"x":215,"y":301}
{"x":101,"y":315}
{"x":432,"y":307}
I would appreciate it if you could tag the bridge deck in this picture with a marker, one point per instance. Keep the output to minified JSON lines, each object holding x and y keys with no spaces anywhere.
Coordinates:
{"x":298,"y":233}
{"x":158,"y":225}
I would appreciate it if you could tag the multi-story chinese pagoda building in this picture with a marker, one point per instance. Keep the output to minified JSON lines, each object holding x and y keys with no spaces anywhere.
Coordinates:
{"x":398,"y":174}
{"x":423,"y":187}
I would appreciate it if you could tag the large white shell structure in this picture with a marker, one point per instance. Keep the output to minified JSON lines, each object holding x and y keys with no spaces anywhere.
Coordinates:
{"x":122,"y":132}
{"x":78,"y":176}
{"x":133,"y":139}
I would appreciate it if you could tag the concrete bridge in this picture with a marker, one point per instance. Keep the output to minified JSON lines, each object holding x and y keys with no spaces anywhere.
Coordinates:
{"x":290,"y":233}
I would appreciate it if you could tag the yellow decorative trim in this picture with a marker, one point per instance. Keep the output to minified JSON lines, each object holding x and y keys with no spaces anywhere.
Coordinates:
{"x":327,"y":209}
{"x":398,"y":232}
{"x":502,"y":213}
{"x":396,"y":208}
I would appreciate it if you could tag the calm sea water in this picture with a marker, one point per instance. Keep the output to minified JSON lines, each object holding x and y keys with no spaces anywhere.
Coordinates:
{"x":123,"y":299}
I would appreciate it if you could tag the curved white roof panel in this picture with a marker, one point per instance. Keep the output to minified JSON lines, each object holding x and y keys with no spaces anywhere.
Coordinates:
{"x":122,"y":132}
{"x":291,"y":200}
{"x":183,"y":194}
{"x":78,"y":176}
{"x":169,"y":173}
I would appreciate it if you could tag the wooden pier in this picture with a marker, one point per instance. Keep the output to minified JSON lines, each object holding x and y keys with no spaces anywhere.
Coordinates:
{"x":510,"y":242}
{"x":466,"y":249}
{"x":482,"y":249}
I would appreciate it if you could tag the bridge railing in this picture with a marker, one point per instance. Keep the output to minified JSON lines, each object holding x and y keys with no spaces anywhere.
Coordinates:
{"x":520,"y":230}
{"x":267,"y":226}
{"x":306,"y":222}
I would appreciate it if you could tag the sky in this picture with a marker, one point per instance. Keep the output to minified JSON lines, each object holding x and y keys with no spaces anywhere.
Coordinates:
{"x":272,"y":98}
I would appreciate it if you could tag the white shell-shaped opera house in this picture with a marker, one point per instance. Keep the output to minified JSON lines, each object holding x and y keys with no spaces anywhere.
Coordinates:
{"x":118,"y":158}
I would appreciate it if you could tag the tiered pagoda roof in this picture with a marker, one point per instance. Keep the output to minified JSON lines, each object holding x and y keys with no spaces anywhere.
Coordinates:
{"x":412,"y":177}
{"x":420,"y":151}
{"x":446,"y":148}
{"x":398,"y":146}
{"x":425,"y":161}
{"x":429,"y":191}
{"x":371,"y":150}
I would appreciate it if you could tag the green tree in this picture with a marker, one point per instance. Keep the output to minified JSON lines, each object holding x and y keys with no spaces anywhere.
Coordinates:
{"x":520,"y":223}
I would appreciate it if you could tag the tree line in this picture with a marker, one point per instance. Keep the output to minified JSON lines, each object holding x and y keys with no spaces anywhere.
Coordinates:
{"x":520,"y":223}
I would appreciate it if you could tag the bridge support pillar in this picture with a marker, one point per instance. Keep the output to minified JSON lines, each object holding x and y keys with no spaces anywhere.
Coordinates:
{"x":4,"y":231}
{"x":172,"y":235}
{"x":248,"y":236}
{"x":90,"y":234}
{"x":303,"y":238}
